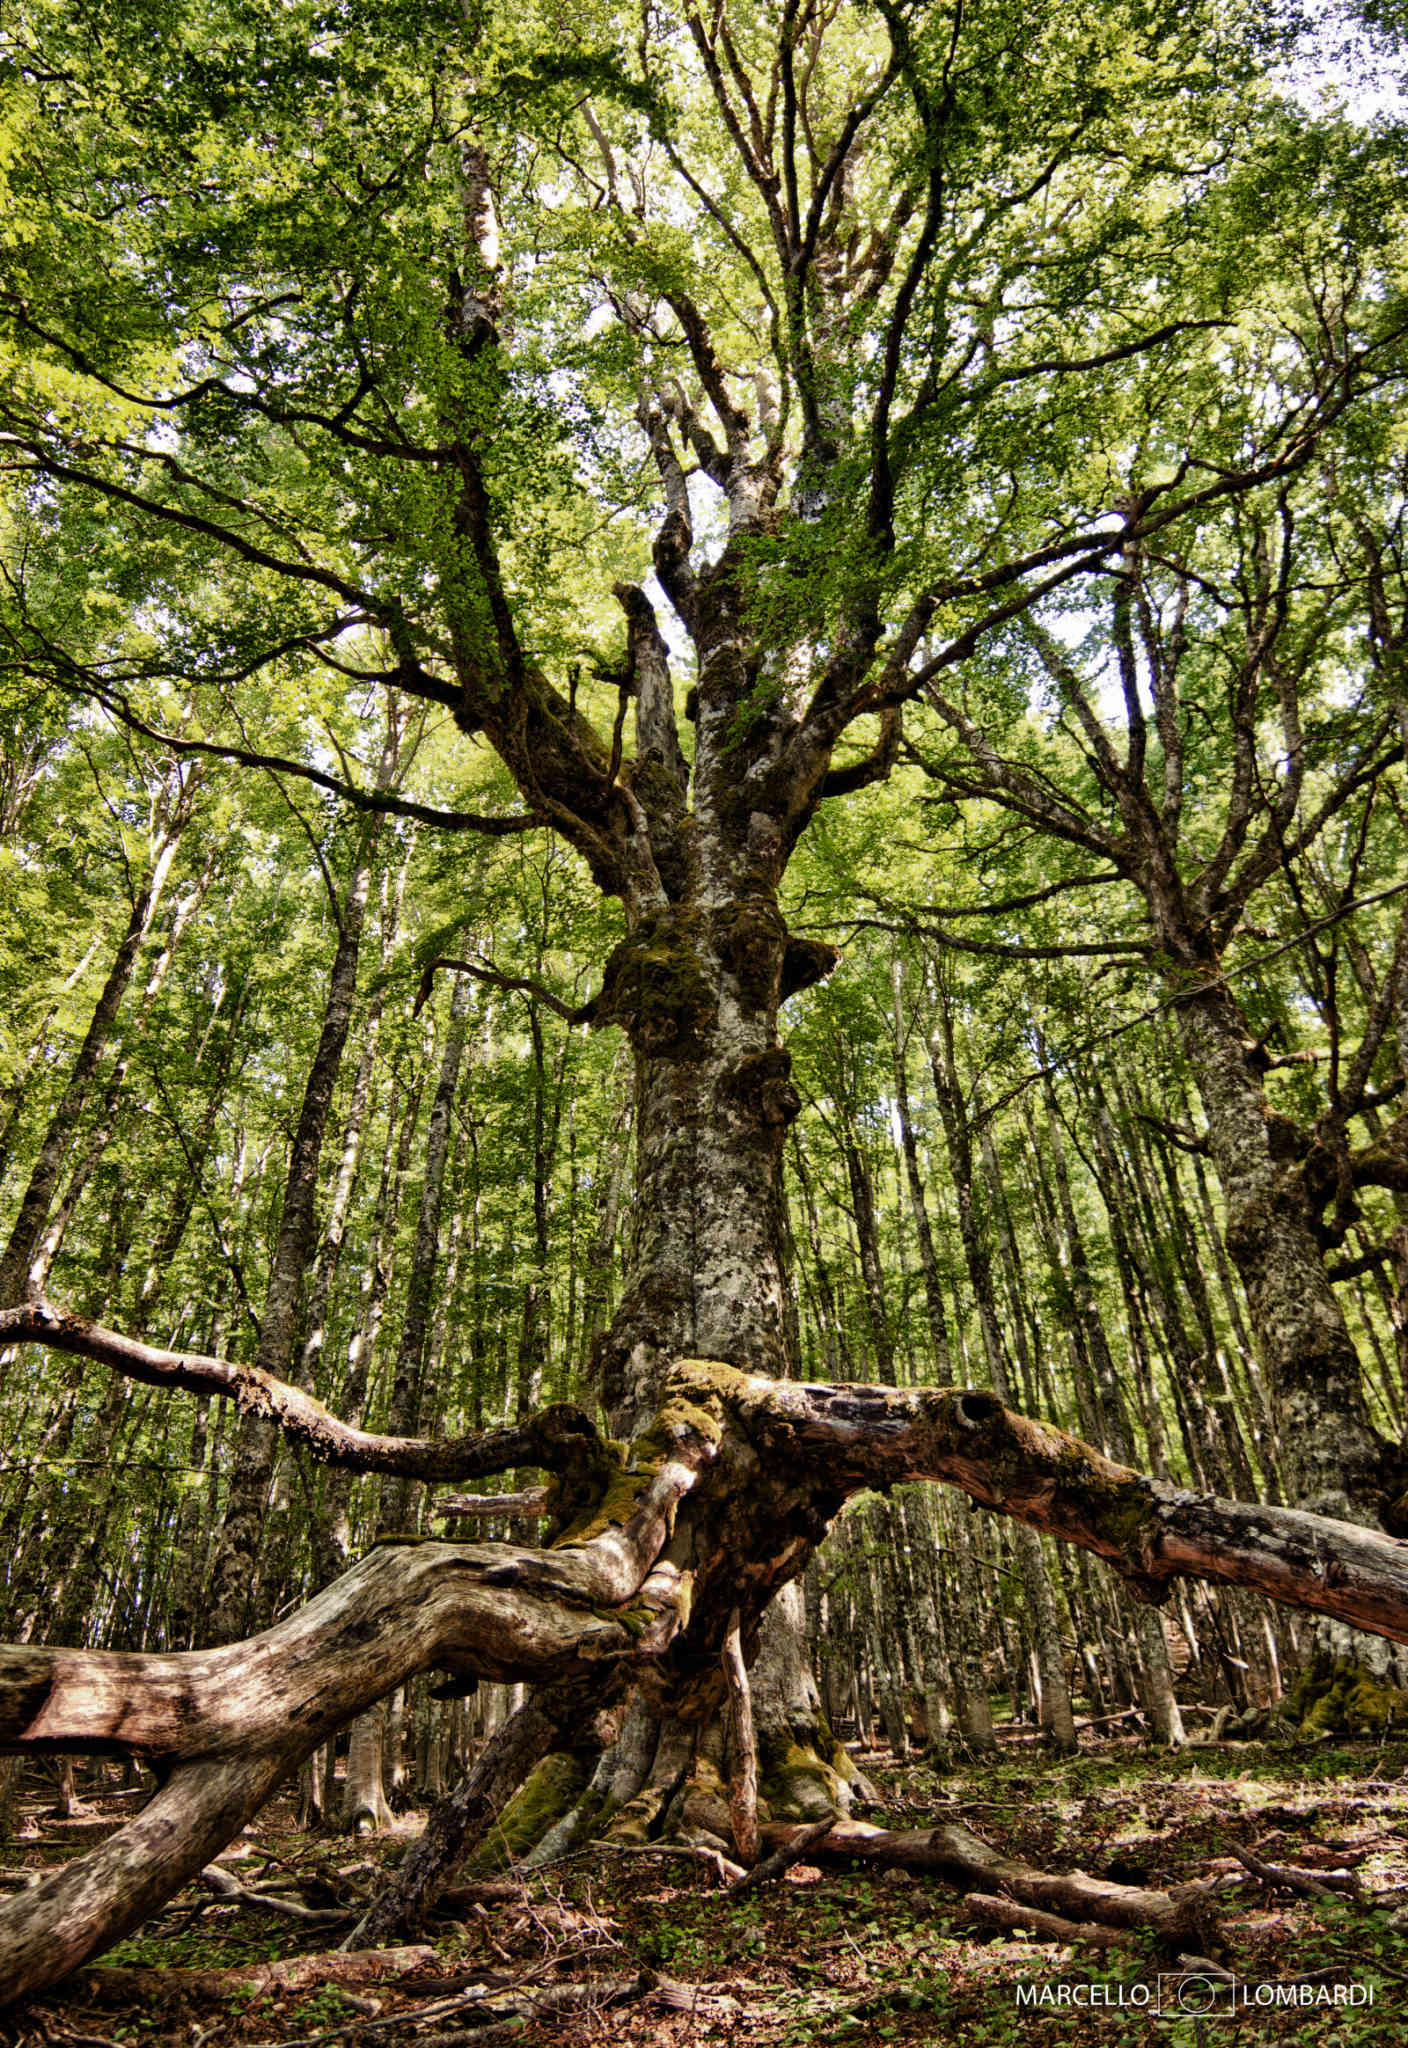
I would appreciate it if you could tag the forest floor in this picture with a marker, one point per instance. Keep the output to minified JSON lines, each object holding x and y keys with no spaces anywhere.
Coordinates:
{"x":827,"y":1954}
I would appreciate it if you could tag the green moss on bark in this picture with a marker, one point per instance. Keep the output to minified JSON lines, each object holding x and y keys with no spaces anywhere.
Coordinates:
{"x":1342,"y":1698}
{"x":551,"y":1790}
{"x":660,"y":988}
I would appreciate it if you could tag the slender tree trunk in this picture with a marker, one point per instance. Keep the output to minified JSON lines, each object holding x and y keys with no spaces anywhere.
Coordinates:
{"x":234,"y":1594}
{"x":1092,"y":1346}
{"x":1058,"y":1718}
{"x":407,"y":1384}
{"x":27,"y":1231}
{"x":914,"y":1180}
{"x":1333,"y":1456}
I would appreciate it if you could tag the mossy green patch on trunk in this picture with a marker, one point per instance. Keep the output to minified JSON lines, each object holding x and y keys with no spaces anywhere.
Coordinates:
{"x":549,"y":1792}
{"x":659,"y":986}
{"x":1341,"y":1697}
{"x":696,"y":1396}
{"x":804,"y":1772}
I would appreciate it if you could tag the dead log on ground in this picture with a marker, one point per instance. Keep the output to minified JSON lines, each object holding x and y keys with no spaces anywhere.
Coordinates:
{"x":105,"y":1985}
{"x":954,"y":1852}
{"x":717,"y":1505}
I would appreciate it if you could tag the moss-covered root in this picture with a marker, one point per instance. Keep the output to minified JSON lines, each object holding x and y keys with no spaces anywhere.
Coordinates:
{"x":805,"y":1774}
{"x":551,"y":1791}
{"x":621,"y":1771}
{"x":1339,"y":1696}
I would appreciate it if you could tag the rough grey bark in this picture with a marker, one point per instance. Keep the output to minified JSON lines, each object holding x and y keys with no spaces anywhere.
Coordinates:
{"x":599,"y":1262}
{"x":698,"y":992}
{"x":1332,"y":1455}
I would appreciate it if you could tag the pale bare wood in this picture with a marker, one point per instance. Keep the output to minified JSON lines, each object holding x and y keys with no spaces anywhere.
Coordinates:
{"x":953,"y":1850}
{"x":743,"y":1771}
{"x":525,"y":1505}
{"x":598,"y":1610}
{"x":1320,"y":1884}
{"x":790,"y":1845}
{"x":234,"y":1893}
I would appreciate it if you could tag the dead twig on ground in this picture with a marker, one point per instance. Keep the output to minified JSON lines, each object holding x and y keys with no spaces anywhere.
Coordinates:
{"x":1330,"y":1884}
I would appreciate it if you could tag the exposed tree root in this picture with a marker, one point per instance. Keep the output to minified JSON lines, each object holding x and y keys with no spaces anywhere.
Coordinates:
{"x":725,"y":1870}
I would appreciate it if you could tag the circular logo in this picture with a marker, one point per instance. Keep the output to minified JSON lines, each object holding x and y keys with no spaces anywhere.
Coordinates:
{"x":1197,"y":1994}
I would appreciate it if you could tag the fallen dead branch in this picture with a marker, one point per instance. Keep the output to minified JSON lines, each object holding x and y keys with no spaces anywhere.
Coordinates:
{"x":1018,"y":1918}
{"x":604,"y":1608}
{"x":109,"y":1985}
{"x":955,"y":1852}
{"x":534,"y":1501}
{"x":234,"y":1893}
{"x":468,"y":1993}
{"x":1325,"y":1884}
{"x":783,"y":1856}
{"x":724,"y":1868}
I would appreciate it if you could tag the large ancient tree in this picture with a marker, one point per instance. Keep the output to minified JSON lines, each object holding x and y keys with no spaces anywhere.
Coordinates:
{"x":347,"y":345}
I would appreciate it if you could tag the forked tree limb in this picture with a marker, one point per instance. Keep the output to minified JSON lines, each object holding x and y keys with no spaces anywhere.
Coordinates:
{"x":718,"y":1503}
{"x":397,"y":1612}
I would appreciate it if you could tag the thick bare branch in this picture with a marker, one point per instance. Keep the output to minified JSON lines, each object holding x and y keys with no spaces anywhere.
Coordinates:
{"x":644,"y":1588}
{"x":555,"y":1439}
{"x":1151,"y":1532}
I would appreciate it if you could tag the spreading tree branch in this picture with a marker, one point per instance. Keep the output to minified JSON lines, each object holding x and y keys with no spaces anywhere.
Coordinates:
{"x":553,"y":1439}
{"x":721,"y":1503}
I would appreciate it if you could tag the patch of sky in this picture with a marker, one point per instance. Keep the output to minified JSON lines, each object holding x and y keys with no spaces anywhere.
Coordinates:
{"x":1345,"y":67}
